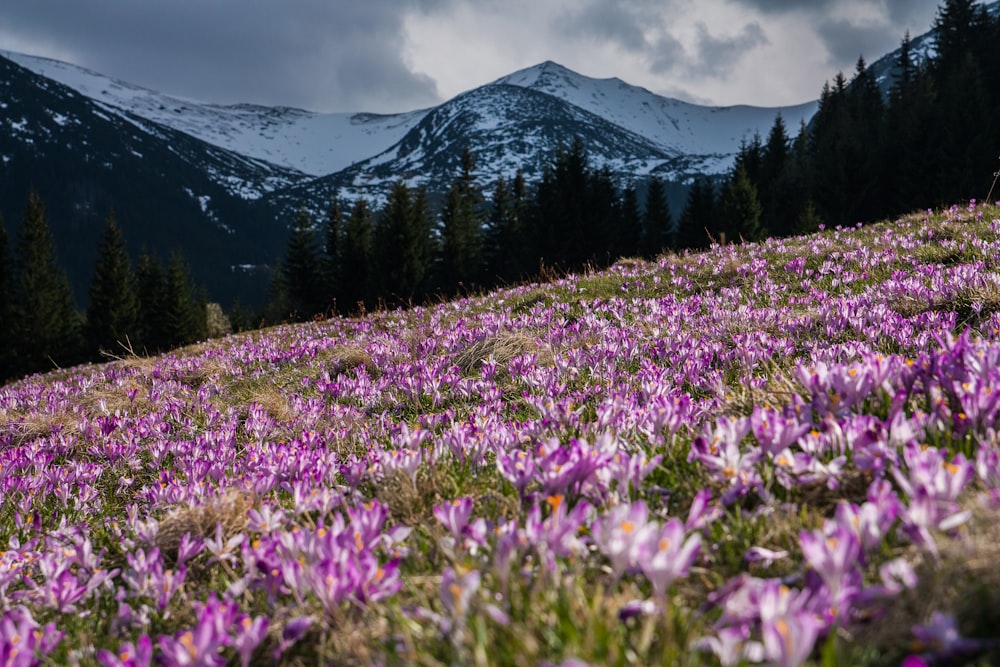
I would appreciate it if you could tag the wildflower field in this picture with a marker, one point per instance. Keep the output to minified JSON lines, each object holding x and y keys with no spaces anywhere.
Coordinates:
{"x":782,"y":453}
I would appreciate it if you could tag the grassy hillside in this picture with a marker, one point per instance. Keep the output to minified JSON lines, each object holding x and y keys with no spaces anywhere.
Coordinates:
{"x":782,"y":452}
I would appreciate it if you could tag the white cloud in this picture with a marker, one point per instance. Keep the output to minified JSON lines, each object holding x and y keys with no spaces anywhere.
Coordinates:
{"x":396,"y":55}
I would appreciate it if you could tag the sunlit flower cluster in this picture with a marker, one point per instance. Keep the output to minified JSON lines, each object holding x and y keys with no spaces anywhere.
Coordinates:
{"x":246,"y":500}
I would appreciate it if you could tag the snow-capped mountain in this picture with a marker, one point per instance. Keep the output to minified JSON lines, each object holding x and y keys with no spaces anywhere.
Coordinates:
{"x":169,"y":190}
{"x":674,"y":138}
{"x":709,"y":134}
{"x":312,"y":144}
{"x":507,"y":128}
{"x":221,"y":182}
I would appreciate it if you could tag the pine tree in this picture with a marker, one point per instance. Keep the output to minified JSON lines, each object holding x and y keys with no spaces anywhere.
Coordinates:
{"x":357,"y":259}
{"x":497,"y":235}
{"x":905,"y":162}
{"x":963,"y":131}
{"x":562,"y":230}
{"x":150,"y":286}
{"x":302,"y":270}
{"x":601,"y":217}
{"x":962,"y":136}
{"x":461,"y":230}
{"x":183,"y":310}
{"x":866,"y":110}
{"x":750,"y":157}
{"x":113,"y":311}
{"x":6,"y":305}
{"x":403,"y":246}
{"x":741,"y":208}
{"x":276,"y":309}
{"x":508,"y":256}
{"x":239,"y":320}
{"x":656,"y":222}
{"x":574,"y":237}
{"x":833,"y":144}
{"x":629,"y":237}
{"x":962,"y":28}
{"x":331,"y":253}
{"x":46,"y":324}
{"x":523,"y":252}
{"x":424,"y":243}
{"x":794,"y":183}
{"x":698,"y":219}
{"x":809,"y":219}
{"x":775,"y":152}
{"x":775,"y":185}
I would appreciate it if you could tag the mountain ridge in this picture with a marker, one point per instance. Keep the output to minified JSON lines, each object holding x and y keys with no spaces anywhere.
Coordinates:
{"x":222,"y":182}
{"x":320,"y":145}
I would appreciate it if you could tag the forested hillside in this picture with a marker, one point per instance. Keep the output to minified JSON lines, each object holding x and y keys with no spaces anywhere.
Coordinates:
{"x":930,"y":140}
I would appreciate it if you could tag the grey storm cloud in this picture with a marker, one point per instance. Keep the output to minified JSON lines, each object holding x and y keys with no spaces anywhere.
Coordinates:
{"x":617,"y":22}
{"x":897,"y":12}
{"x":712,"y":56}
{"x":318,"y":54}
{"x":717,"y":54}
{"x":644,"y":27}
{"x":846,"y":38}
{"x":380,"y":55}
{"x":846,"y":41}
{"x":782,"y":6}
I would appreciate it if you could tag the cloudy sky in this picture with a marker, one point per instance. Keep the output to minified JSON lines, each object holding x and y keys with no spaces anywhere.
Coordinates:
{"x":398,"y":55}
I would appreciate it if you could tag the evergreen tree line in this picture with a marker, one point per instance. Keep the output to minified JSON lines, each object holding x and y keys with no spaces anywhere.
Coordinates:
{"x":145,"y":309}
{"x":932,"y":141}
{"x":407,"y":252}
{"x":865,"y":155}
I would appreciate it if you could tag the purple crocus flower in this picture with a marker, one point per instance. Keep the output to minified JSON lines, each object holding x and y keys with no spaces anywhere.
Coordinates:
{"x":666,"y":555}
{"x":720,"y":451}
{"x":702,"y":513}
{"x":835,"y":558}
{"x":294,"y":630}
{"x":788,"y":629}
{"x":775,"y":432}
{"x":732,"y":646}
{"x":139,"y":654}
{"x":518,"y":468}
{"x":763,"y":555}
{"x":250,"y":633}
{"x":457,"y":591}
{"x":201,"y":645}
{"x":23,"y":641}
{"x":619,"y":534}
{"x":941,"y":638}
{"x":454,"y":515}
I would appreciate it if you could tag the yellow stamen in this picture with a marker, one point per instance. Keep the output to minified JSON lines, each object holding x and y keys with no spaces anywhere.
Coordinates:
{"x":187,"y":639}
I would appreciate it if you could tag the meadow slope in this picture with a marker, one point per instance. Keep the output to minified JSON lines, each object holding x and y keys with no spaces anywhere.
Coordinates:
{"x":783,"y":452}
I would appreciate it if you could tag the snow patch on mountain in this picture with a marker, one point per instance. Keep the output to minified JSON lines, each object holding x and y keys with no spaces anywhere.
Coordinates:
{"x":312,"y":143}
{"x":676,"y":126}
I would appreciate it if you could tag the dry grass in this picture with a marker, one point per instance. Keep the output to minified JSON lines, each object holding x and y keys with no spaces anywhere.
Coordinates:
{"x":218,"y":324}
{"x":23,"y":427}
{"x":741,"y":398}
{"x":213,"y":367}
{"x":228,"y":510}
{"x":985,"y":298}
{"x":345,"y":358}
{"x":501,"y":349}
{"x":273,"y":401}
{"x":412,"y":503}
{"x":964,"y":581}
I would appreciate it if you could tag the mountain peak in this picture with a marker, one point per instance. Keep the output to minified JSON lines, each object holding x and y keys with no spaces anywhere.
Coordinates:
{"x":543,"y":74}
